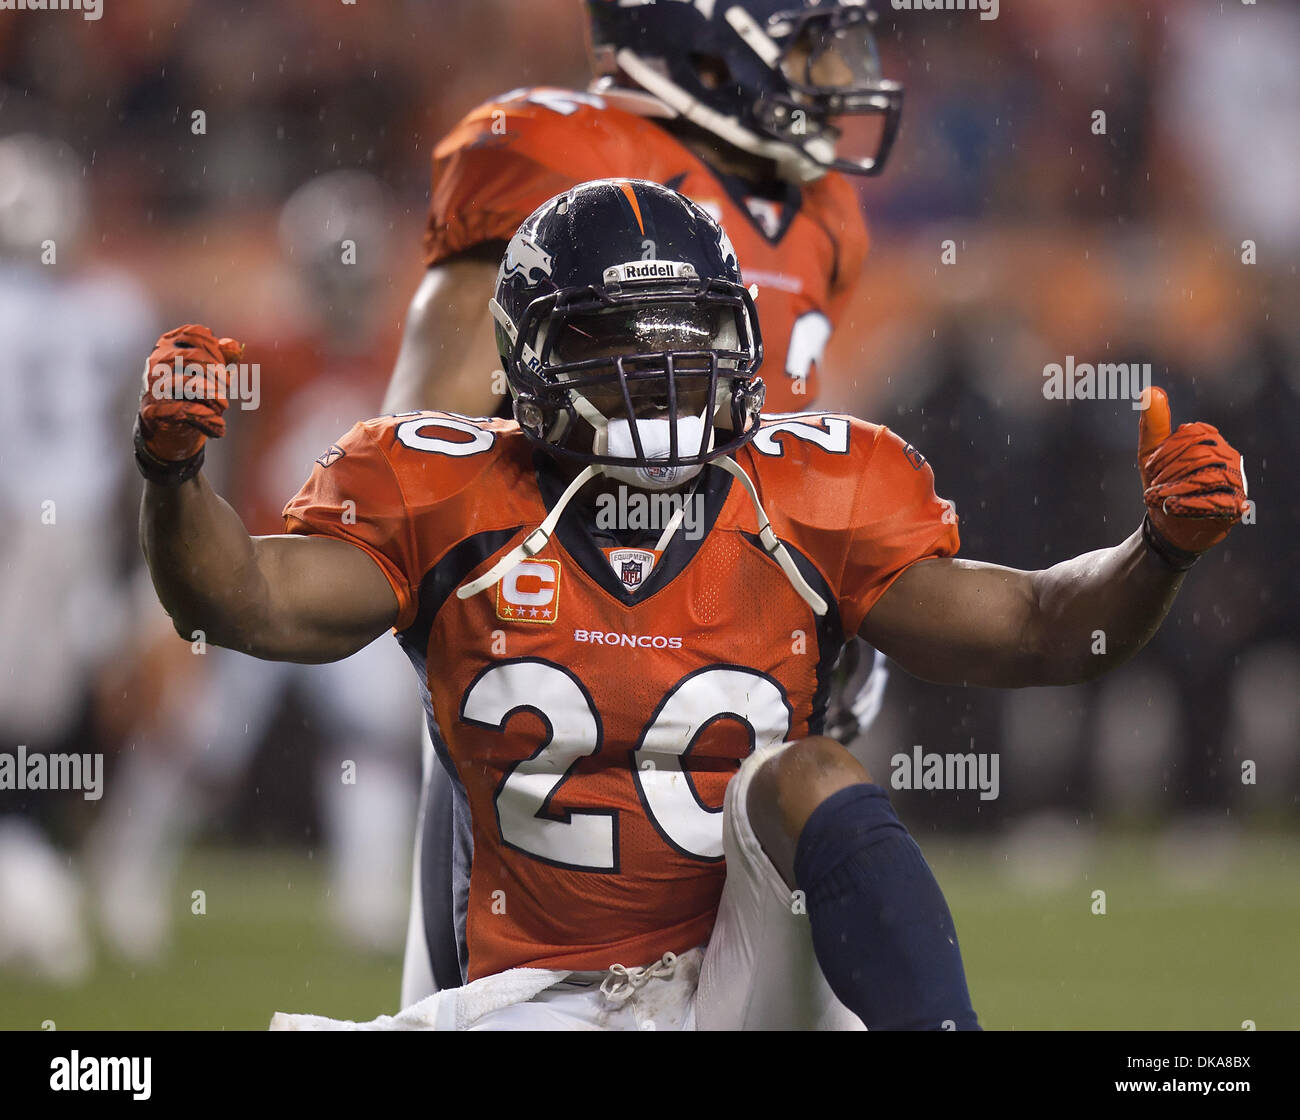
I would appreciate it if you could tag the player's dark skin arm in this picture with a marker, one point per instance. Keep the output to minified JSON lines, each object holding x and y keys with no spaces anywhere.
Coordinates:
{"x":962,"y":622}
{"x":285,"y":598}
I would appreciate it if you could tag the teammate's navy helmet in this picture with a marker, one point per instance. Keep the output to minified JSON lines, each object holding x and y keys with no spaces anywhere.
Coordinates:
{"x":625,"y":332}
{"x":778,"y":78}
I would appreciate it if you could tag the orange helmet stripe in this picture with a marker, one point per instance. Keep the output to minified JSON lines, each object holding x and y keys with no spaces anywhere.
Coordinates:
{"x":626,"y":188}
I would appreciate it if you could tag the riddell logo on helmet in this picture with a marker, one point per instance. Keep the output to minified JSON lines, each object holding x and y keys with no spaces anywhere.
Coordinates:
{"x":649,"y":270}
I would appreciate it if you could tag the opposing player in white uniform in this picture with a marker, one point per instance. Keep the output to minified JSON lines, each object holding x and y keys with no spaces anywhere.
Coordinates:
{"x":68,"y":357}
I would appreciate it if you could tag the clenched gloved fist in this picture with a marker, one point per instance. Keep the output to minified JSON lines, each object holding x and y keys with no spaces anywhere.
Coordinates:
{"x":183,"y":402}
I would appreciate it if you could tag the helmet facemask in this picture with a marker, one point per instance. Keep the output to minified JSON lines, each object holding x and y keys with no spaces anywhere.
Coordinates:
{"x":650,"y":379}
{"x":801,"y":87}
{"x":839,"y":110}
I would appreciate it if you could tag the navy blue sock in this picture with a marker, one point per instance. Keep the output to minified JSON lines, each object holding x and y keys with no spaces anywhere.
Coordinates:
{"x":882,"y":932}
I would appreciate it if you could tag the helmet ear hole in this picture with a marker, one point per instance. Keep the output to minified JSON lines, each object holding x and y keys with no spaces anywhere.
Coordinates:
{"x":529,"y":414}
{"x":712,"y":71}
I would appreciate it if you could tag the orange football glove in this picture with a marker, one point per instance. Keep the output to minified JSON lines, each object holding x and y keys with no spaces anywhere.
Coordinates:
{"x":1192,"y":481}
{"x":181,"y":405}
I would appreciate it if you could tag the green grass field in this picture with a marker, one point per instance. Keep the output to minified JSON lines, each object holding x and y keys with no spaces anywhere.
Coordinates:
{"x":1167,"y":954}
{"x":1163,"y":957}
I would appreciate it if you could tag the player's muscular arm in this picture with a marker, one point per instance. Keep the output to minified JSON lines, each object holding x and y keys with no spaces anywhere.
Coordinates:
{"x":956,"y":621}
{"x":287,"y":598}
{"x":448,"y":352}
{"x":283,"y":598}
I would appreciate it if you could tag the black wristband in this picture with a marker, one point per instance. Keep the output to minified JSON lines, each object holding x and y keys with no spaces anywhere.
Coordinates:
{"x":1179,"y":559}
{"x":160,"y":471}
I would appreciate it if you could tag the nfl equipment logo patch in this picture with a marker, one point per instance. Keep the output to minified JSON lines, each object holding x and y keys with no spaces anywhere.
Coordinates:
{"x":660,"y":474}
{"x":914,"y":457}
{"x":530,"y":592}
{"x":632,"y":565}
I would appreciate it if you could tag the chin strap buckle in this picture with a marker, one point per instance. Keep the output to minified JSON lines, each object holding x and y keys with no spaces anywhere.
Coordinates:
{"x":532,"y":544}
{"x":772,"y":544}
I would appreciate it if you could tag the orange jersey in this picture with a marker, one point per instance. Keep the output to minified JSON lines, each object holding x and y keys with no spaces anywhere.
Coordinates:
{"x":805,"y":252}
{"x":590,"y":723}
{"x":311,"y":391}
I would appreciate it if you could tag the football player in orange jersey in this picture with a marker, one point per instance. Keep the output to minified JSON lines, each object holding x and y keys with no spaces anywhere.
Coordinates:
{"x":652,"y":827}
{"x":755,"y":110}
{"x":747,"y":108}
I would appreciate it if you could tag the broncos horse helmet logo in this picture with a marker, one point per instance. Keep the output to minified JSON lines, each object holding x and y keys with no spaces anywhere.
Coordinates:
{"x":524,"y":257}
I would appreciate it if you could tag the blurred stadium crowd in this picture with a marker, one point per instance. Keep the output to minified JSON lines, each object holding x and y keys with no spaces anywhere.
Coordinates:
{"x":1125,"y":246}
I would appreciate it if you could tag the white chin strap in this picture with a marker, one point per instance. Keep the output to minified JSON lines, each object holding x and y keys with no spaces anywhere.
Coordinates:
{"x":532,"y":544}
{"x":771,"y":543}
{"x":538,"y":539}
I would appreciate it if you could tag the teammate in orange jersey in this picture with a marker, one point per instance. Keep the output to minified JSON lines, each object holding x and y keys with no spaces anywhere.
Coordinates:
{"x":745,"y":109}
{"x":653,"y":828}
{"x":751,"y":111}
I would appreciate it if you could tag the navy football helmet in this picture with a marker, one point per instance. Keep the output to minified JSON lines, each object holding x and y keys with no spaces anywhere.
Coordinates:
{"x":781,"y":79}
{"x":626,"y":335}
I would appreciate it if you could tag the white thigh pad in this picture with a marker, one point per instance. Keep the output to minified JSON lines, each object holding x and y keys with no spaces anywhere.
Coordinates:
{"x":759,"y":970}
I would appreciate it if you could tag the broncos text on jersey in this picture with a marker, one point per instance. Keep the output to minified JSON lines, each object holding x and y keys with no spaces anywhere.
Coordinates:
{"x":804,"y":250}
{"x":590,"y":728}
